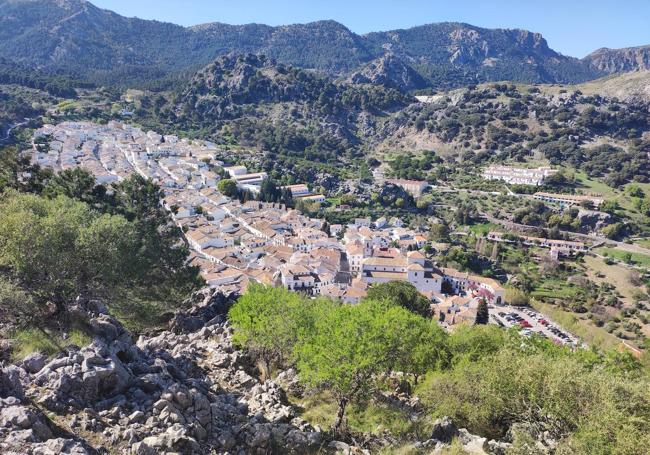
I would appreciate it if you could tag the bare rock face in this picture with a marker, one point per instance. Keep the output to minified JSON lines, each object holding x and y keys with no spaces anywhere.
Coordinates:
{"x":390,"y":71}
{"x":25,"y":430}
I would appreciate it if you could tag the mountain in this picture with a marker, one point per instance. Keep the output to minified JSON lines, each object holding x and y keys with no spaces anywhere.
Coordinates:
{"x":261,"y":103}
{"x":620,"y":60}
{"x":101,"y":46}
{"x":449,"y":51}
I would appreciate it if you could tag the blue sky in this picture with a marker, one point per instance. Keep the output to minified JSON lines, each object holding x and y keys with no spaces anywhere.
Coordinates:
{"x":573,"y":27}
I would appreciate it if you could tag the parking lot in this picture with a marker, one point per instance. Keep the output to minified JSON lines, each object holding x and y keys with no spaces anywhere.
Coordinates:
{"x":530,"y":322}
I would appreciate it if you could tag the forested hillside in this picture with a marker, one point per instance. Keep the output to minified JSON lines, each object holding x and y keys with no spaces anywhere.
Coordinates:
{"x":100,"y":46}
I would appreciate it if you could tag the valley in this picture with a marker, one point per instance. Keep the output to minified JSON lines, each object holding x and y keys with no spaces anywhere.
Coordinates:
{"x":261,"y":239}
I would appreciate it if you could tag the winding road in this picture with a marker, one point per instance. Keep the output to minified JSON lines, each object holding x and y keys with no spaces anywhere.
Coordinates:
{"x":13,"y":127}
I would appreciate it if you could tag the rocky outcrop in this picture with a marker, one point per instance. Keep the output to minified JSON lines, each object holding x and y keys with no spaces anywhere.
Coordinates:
{"x":444,"y":431}
{"x":180,"y":391}
{"x":391,"y":72}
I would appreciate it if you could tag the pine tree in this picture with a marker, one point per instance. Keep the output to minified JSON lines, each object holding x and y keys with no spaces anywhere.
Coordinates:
{"x":482,"y":313}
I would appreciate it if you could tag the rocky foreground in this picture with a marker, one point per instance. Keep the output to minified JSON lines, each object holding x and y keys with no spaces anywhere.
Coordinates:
{"x":185,"y":390}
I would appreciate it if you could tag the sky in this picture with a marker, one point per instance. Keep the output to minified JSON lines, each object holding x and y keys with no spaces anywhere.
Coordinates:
{"x":572,"y":27}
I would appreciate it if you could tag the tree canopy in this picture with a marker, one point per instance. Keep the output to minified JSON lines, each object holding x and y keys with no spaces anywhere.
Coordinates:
{"x":401,"y":293}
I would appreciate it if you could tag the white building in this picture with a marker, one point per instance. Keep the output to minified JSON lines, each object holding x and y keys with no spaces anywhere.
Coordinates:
{"x":250,"y":179}
{"x":313,"y":198}
{"x":414,"y":269}
{"x":518,"y":175}
{"x":235,"y":170}
{"x":297,"y":190}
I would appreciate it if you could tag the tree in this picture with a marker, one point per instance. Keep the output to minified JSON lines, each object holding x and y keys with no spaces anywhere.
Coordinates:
{"x":415,"y":345}
{"x":60,"y":249}
{"x":269,"y":192}
{"x":482,"y":312}
{"x":614,"y":231}
{"x":269,"y":322}
{"x":163,"y":258}
{"x":75,"y":183}
{"x":17,"y":306}
{"x":348,"y":349}
{"x":439,"y":232}
{"x":227,"y":187}
{"x":403,"y":294}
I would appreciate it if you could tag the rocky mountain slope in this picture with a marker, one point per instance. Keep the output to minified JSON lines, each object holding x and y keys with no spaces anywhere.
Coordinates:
{"x":276,"y":107}
{"x":450,"y":54}
{"x":620,"y":60}
{"x":604,"y":136}
{"x":185,"y":390}
{"x":76,"y":37}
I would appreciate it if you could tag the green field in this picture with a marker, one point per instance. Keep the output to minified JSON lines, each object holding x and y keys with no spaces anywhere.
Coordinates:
{"x":483,"y":228}
{"x":595,"y":186}
{"x":642,"y":260}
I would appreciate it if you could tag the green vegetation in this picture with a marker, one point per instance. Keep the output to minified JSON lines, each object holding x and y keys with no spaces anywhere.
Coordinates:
{"x":62,"y":238}
{"x":626,"y":257}
{"x":340,"y":347}
{"x":401,"y":293}
{"x":580,"y":398}
{"x":227,"y":187}
{"x":29,"y":341}
{"x":487,"y":379}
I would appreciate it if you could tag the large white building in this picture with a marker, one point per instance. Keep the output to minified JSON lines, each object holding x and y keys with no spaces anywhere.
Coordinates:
{"x":250,"y":179}
{"x":518,"y":175}
{"x":414,"y":269}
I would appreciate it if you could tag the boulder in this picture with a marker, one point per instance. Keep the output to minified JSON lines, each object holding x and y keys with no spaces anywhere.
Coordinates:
{"x":60,"y":446}
{"x":444,"y":430}
{"x":471,"y":443}
{"x":10,"y":383}
{"x":498,"y":447}
{"x":34,"y":362}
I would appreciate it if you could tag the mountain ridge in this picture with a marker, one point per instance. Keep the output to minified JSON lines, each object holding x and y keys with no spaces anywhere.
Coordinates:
{"x":84,"y":40}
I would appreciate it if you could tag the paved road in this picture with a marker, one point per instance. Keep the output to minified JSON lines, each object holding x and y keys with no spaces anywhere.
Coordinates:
{"x":11,"y":128}
{"x":502,"y":315}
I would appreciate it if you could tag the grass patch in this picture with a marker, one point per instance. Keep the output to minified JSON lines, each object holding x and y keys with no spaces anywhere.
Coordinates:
{"x":372,"y":417}
{"x":555,"y":288}
{"x":636,"y":258}
{"x":645,"y":243}
{"x":595,"y":186}
{"x":483,"y":228}
{"x":31,"y":340}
